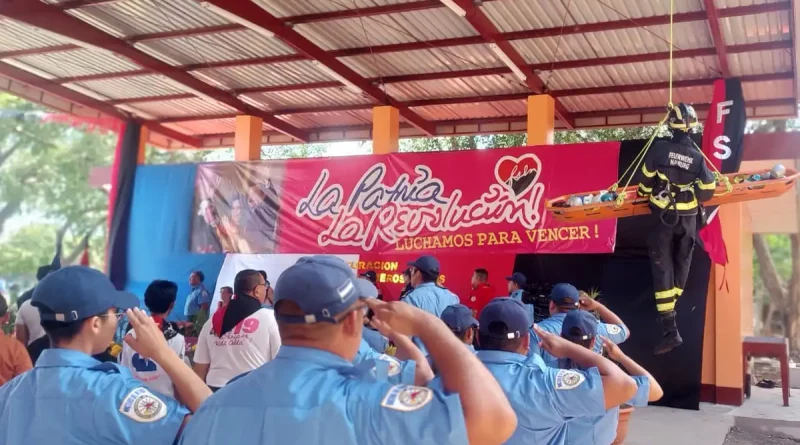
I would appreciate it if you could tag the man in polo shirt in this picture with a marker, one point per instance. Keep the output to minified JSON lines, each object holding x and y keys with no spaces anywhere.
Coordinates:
{"x":482,"y":292}
{"x":426,"y":294}
{"x":199,"y":299}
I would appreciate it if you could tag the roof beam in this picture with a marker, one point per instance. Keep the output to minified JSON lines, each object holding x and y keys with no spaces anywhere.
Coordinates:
{"x":509,"y":55}
{"x":78,"y":98}
{"x":555,"y":66}
{"x":265,"y":20}
{"x":716,"y":35}
{"x":617,"y":89}
{"x":52,"y":19}
{"x":697,"y":107}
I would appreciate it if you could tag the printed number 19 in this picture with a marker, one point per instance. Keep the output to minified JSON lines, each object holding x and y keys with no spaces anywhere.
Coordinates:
{"x":250,"y":325}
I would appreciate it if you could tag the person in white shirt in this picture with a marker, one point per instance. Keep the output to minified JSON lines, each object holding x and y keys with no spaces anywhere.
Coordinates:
{"x":28,"y":324}
{"x":241,"y":336}
{"x":160,"y":299}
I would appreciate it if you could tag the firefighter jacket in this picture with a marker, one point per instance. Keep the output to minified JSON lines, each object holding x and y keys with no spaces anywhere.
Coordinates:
{"x":675,"y":177}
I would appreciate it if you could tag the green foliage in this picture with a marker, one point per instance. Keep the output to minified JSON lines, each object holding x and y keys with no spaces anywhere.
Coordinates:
{"x":294,"y":151}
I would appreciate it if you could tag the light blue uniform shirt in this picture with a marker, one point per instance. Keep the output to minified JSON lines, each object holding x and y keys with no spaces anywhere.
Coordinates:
{"x":602,"y":430}
{"x":516,"y":295}
{"x":616,"y":333}
{"x":386,"y":366}
{"x":430,"y":298}
{"x":309,"y":396}
{"x":69,"y":398}
{"x":197,"y":297}
{"x":543,"y":398}
{"x":375,"y":339}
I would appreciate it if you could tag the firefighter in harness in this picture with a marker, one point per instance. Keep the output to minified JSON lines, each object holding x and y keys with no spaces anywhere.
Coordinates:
{"x":677,"y":181}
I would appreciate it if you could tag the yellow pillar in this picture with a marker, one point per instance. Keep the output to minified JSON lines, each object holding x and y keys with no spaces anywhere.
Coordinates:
{"x":144,"y":135}
{"x":385,"y":130}
{"x":541,"y":119}
{"x":247,"y":140}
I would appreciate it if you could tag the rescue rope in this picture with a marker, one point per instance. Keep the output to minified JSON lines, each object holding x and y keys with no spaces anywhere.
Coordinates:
{"x":636,"y":163}
{"x":718,"y":177}
{"x":670,"y":105}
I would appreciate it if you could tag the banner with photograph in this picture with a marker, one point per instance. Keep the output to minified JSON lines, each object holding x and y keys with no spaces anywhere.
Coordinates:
{"x":478,"y":201}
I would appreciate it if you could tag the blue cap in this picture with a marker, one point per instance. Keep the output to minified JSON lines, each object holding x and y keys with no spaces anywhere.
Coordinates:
{"x":458,"y":318}
{"x":323,"y":286}
{"x":426,"y":264}
{"x":76,"y":293}
{"x":564,"y":294}
{"x":579,"y":325}
{"x":505,"y":318}
{"x":519,"y":278}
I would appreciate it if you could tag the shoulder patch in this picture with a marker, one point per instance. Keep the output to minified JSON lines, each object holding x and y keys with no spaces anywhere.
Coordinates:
{"x":143,"y":406}
{"x":566,"y":379}
{"x":407,"y":398}
{"x":394,"y":364}
{"x":613,"y":329}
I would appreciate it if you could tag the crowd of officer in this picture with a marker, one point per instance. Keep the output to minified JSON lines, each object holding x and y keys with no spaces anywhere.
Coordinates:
{"x":327,"y":384}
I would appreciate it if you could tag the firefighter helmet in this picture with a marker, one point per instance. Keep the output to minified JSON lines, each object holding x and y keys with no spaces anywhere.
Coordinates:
{"x":682,"y":117}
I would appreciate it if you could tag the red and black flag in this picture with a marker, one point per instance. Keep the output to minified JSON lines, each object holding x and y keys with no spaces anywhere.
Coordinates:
{"x":723,"y":138}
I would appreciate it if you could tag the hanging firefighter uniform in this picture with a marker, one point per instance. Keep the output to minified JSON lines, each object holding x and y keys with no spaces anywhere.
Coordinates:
{"x":677,"y":180}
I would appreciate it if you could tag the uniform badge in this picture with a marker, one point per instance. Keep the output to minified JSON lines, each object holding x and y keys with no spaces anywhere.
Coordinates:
{"x":614,"y":329}
{"x":407,"y":398}
{"x":394,"y":365}
{"x":566,"y":379}
{"x":143,"y":406}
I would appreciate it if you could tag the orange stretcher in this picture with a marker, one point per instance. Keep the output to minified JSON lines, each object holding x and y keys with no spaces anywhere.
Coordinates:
{"x":635,"y":205}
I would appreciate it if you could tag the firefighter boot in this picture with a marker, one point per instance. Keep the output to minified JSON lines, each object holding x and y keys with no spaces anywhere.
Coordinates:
{"x":671,"y":338}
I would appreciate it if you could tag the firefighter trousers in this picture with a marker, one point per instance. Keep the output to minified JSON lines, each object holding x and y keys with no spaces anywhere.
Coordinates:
{"x":670,"y":250}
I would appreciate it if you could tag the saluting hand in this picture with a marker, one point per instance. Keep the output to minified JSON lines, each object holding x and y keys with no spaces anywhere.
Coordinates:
{"x":395,"y":316}
{"x":557,"y":346}
{"x":612,"y":350}
{"x":149,"y":341}
{"x":587,"y":303}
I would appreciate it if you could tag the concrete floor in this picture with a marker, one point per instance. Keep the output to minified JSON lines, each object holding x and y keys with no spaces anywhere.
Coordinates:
{"x":762,"y":420}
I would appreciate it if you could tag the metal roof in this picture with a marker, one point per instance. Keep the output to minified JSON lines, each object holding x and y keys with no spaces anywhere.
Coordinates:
{"x":313,"y":69}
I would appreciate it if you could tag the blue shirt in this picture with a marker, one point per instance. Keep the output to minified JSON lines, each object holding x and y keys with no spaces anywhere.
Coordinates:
{"x":516,"y":295}
{"x":431,"y":298}
{"x":616,"y":333}
{"x":602,"y":430}
{"x":309,"y":396}
{"x":544,"y":398}
{"x":197,"y":297}
{"x":386,"y":366}
{"x":375,"y":339}
{"x":70,"y":398}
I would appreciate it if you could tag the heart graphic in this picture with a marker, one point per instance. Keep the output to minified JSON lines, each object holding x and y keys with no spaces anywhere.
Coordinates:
{"x":518,"y":174}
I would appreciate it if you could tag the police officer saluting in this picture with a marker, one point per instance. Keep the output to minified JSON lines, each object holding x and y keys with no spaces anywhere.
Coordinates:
{"x":676,"y":180}
{"x":312,"y":394}
{"x":71,"y":398}
{"x":545,"y":398}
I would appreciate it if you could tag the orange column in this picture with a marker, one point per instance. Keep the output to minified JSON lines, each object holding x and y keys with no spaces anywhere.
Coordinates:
{"x":729,"y":376}
{"x":385,"y":130}
{"x":541,"y":119}
{"x":247,"y":140}
{"x":708,"y":380}
{"x":144,"y":135}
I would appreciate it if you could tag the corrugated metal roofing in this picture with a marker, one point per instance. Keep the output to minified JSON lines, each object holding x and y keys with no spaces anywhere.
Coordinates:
{"x":432,"y":60}
{"x":301,"y":7}
{"x":234,"y":45}
{"x":333,"y":119}
{"x":733,"y":3}
{"x":320,"y":97}
{"x":184,"y":107}
{"x":15,"y":36}
{"x":593,"y":11}
{"x":430,"y":24}
{"x":767,"y":27}
{"x":594,"y":102}
{"x":215,"y":126}
{"x":79,"y":62}
{"x":133,"y":17}
{"x":775,"y":61}
{"x":473,"y":110}
{"x":461,"y":87}
{"x":287,"y":73}
{"x":131,"y":87}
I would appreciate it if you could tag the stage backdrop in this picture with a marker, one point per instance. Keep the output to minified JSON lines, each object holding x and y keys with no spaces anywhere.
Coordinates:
{"x":481,"y":201}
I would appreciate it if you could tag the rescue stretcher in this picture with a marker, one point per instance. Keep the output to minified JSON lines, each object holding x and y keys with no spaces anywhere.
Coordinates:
{"x":634,"y":205}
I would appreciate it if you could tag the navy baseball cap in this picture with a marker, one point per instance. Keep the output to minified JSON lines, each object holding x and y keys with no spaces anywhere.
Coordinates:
{"x":323,"y":286}
{"x":458,"y":318}
{"x":564,"y":294}
{"x":76,"y":293}
{"x":519,"y":278}
{"x":426,"y":264}
{"x":505,"y":318}
{"x":579,"y":325}
{"x":370,"y":275}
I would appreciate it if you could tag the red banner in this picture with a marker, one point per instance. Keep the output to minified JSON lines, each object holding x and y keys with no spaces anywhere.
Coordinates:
{"x":479,"y":201}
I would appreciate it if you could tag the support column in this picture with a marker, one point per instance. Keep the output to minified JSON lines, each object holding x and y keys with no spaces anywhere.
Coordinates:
{"x":144,"y":136}
{"x":385,"y":130}
{"x":729,"y":375}
{"x":247,"y":145}
{"x":541,"y":119}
